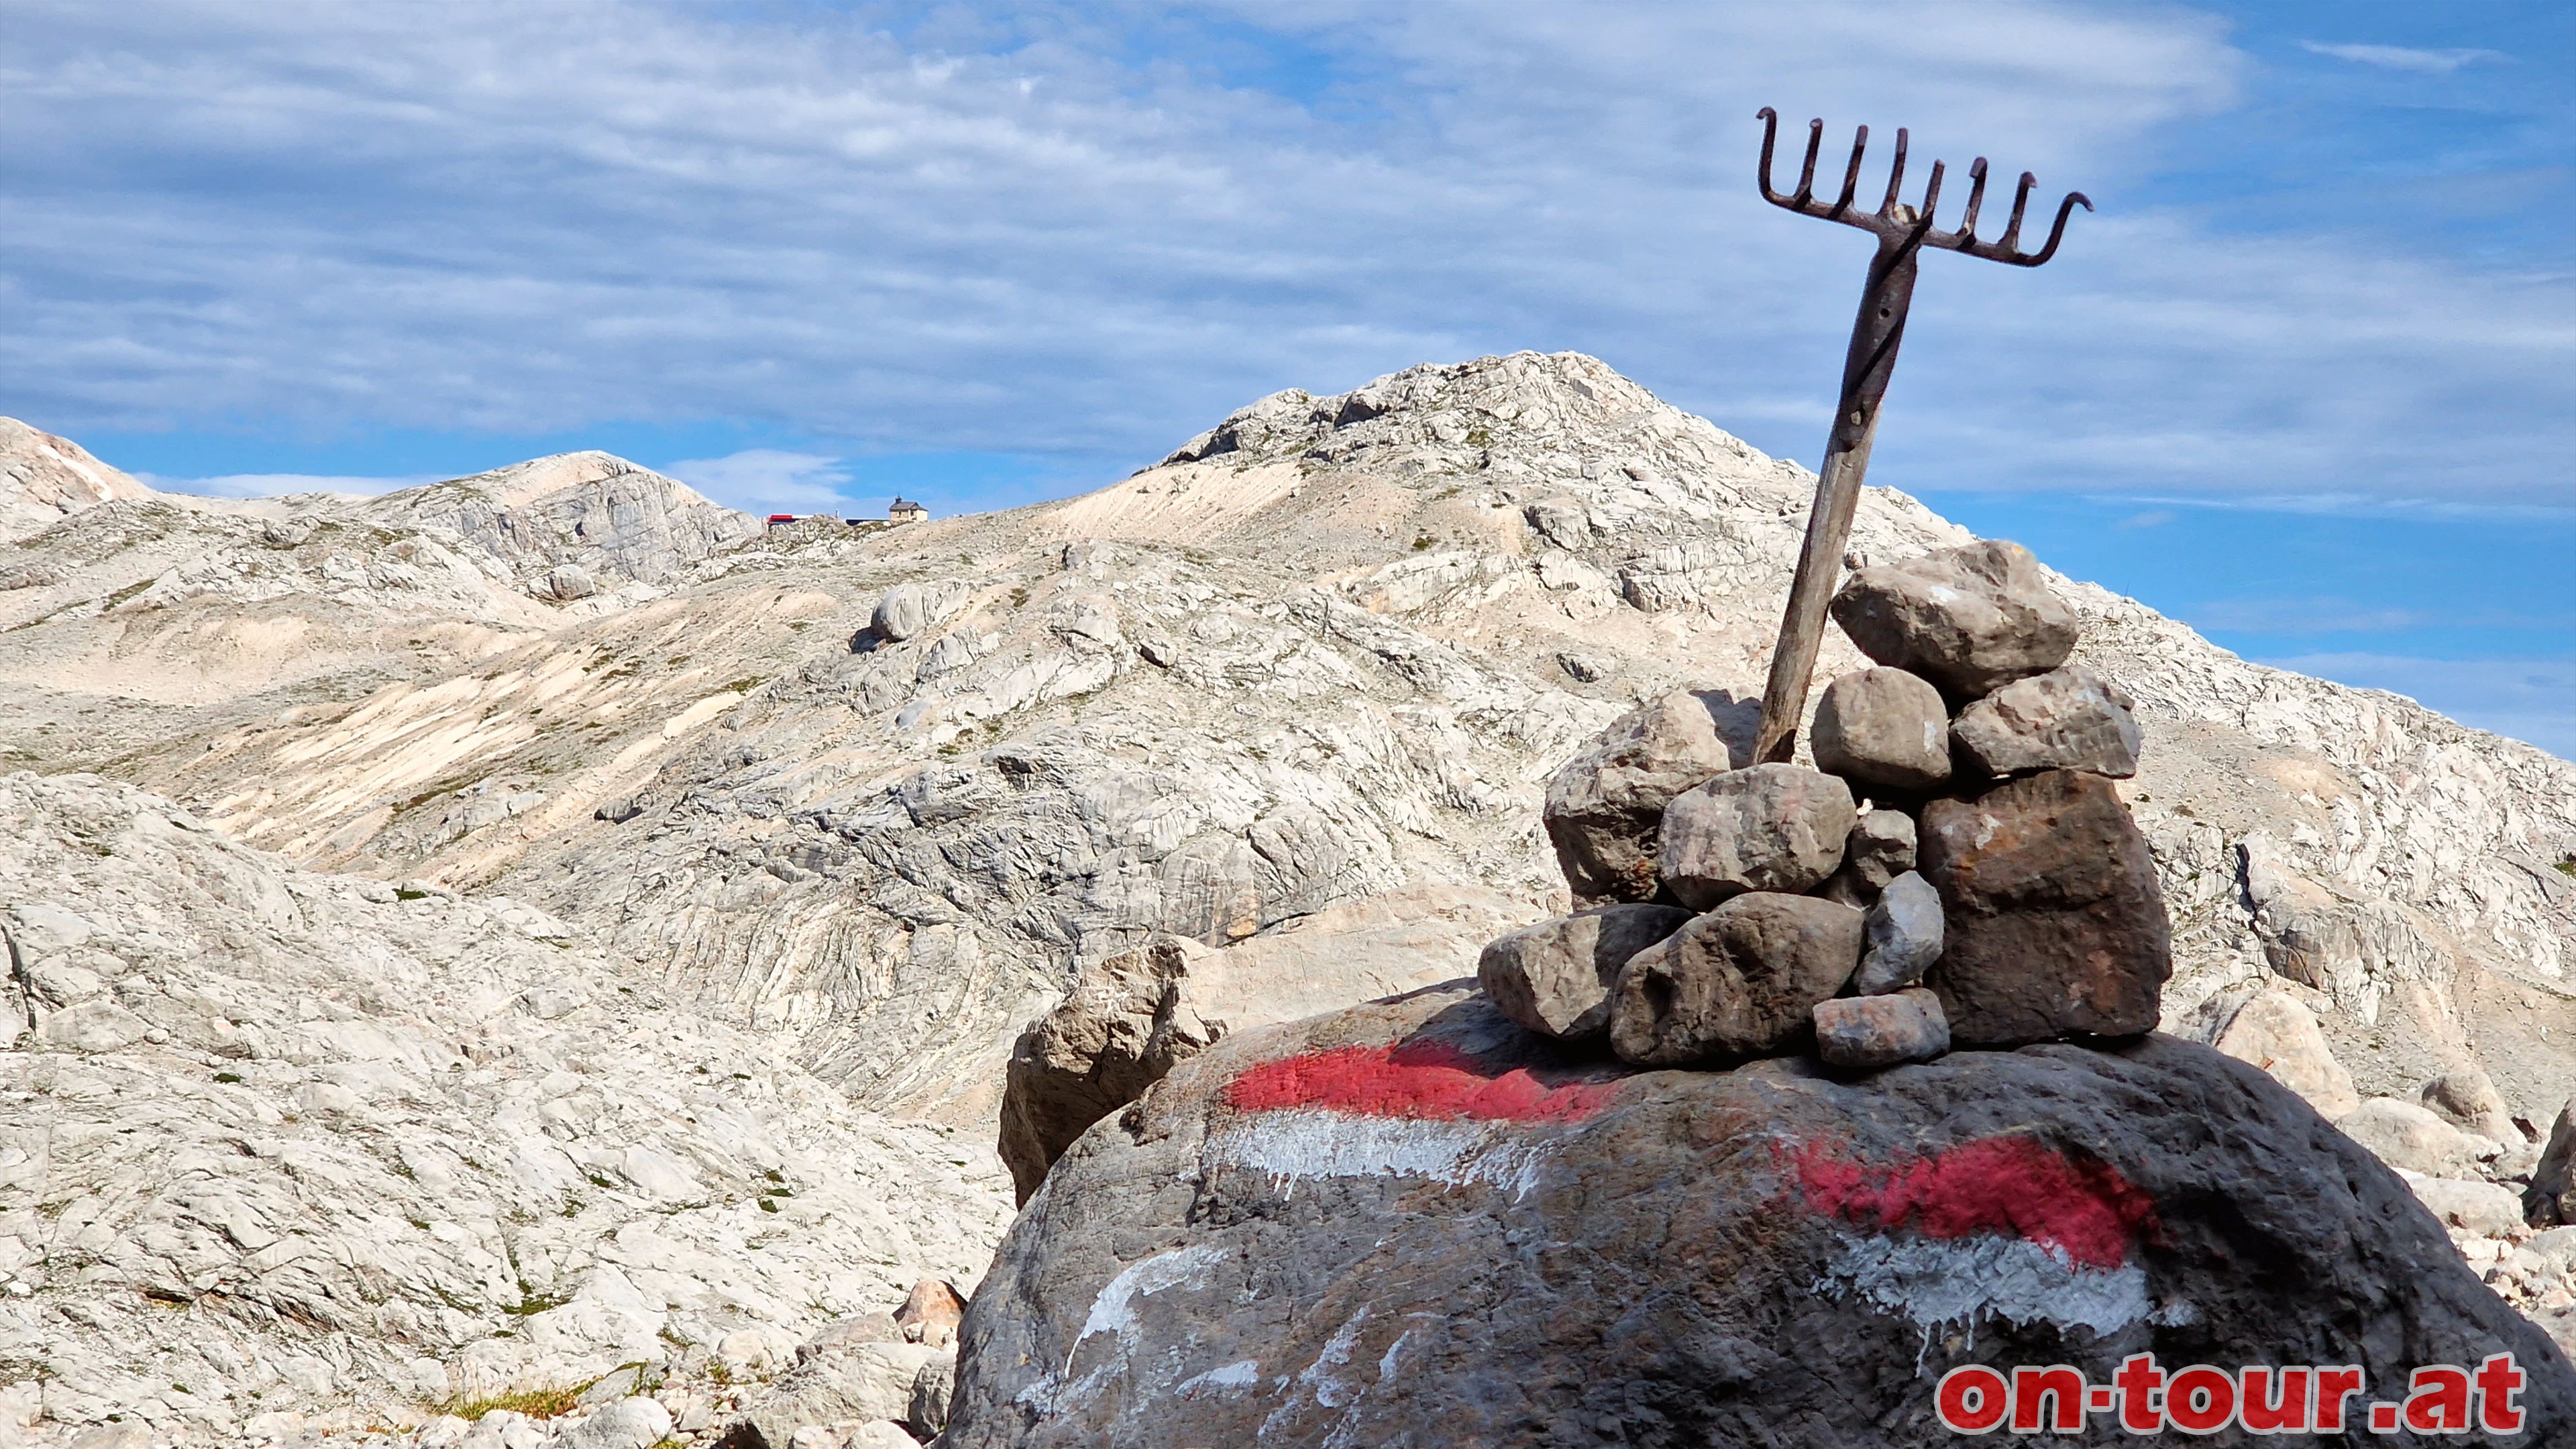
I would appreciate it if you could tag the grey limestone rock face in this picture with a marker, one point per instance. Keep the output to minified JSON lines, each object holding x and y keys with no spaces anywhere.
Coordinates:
{"x":918,"y":868}
{"x":1883,"y":727}
{"x":1606,"y":804}
{"x":1764,"y":828}
{"x":1865,"y":1033}
{"x":1086,"y":624}
{"x":2066,"y":719}
{"x":1740,"y":981}
{"x":1555,"y":977}
{"x":412,"y":1099}
{"x":1970,"y":619}
{"x":1560,"y":520}
{"x":1903,"y":931}
{"x":2053,"y":921}
{"x":601,"y":513}
{"x":1264,"y":1252}
{"x":2550,"y":1201}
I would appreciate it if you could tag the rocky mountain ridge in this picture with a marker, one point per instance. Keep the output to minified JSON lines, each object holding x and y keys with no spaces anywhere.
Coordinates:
{"x":43,"y":478}
{"x":1322,"y":658}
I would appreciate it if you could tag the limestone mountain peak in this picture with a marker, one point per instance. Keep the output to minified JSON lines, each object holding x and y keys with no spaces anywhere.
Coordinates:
{"x":43,"y":478}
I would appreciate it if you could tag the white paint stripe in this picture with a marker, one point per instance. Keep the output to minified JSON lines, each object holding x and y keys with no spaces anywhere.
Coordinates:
{"x":1310,"y":1143}
{"x":1243,"y":1373}
{"x":1113,"y":1310}
{"x":1938,"y":1282}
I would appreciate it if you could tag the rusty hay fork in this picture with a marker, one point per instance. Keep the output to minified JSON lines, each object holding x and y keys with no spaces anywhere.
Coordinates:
{"x":1902,"y":232}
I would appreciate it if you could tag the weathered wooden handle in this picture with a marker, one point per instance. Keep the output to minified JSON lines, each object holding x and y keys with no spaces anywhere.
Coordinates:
{"x":1875,"y":336}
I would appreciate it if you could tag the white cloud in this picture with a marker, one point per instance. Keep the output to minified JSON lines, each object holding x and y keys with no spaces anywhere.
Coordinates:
{"x":2533,"y":700}
{"x":2360,"y":505}
{"x":2400,"y":57}
{"x":768,"y":480}
{"x":1000,"y":232}
{"x":272,"y":485}
{"x":2323,"y":614}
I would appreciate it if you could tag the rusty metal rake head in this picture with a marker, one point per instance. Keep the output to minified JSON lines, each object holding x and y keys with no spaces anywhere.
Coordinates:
{"x":1896,"y":223}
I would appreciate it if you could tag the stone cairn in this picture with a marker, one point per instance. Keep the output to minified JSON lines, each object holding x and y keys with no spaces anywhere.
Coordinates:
{"x":1957,"y":871}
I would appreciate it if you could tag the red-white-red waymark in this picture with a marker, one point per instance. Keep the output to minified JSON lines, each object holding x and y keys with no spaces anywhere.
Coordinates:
{"x":2202,"y":1399}
{"x":1996,"y":1227}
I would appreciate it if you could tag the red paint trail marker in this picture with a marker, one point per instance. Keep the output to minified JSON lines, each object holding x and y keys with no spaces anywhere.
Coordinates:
{"x":2012,"y":1185}
{"x":1419,"y":1081}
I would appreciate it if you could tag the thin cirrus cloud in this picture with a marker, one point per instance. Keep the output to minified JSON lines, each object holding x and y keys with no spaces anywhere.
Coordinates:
{"x":1038,"y":231}
{"x":272,"y":485}
{"x":767,"y":480}
{"x":2533,"y":700}
{"x":2319,"y":615}
{"x":2400,"y":57}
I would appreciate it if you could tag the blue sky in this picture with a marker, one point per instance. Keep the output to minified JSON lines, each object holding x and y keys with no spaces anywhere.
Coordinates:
{"x":2307,"y":379}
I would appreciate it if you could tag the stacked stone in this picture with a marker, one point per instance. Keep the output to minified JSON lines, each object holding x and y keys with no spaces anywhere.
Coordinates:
{"x":1956,"y":871}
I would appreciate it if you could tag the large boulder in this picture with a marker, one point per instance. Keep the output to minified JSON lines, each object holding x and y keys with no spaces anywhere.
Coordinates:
{"x":2066,"y":719}
{"x":1606,"y":804}
{"x":2276,"y":1032}
{"x":908,"y":609}
{"x":2053,"y":923}
{"x":1125,"y":1023}
{"x":2468,"y":1099}
{"x":1970,"y":619}
{"x":1740,"y":981}
{"x":2471,"y":1205}
{"x":1414,"y":1224}
{"x":930,"y":1313}
{"x":1555,"y":976}
{"x":632,"y":1422}
{"x":1883,"y":727}
{"x":1128,"y":1018}
{"x":1765,"y":828}
{"x":841,"y":1379}
{"x":2406,"y":1135}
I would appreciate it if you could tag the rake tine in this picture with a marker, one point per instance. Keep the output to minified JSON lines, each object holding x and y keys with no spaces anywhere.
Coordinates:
{"x":2011,"y":238}
{"x":1770,"y":120}
{"x":1976,"y":198}
{"x":1895,"y":176}
{"x":1932,"y":194}
{"x":1807,"y":173}
{"x":1851,"y":174}
{"x":2058,"y":231}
